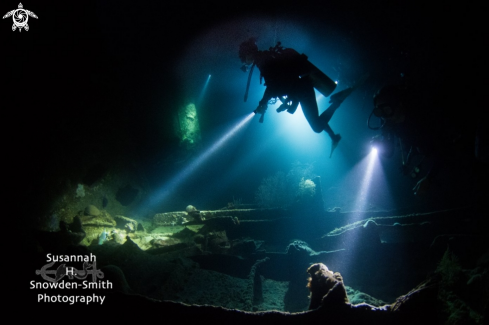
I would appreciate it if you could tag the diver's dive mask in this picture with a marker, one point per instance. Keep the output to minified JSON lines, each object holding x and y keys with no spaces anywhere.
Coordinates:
{"x":387,"y":101}
{"x":383,"y":111}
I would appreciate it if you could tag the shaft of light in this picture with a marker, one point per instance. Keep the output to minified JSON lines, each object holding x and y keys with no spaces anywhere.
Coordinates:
{"x":162,"y":194}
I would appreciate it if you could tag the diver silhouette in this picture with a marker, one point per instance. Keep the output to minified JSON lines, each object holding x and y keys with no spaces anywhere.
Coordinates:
{"x":291,"y":78}
{"x":411,"y":122}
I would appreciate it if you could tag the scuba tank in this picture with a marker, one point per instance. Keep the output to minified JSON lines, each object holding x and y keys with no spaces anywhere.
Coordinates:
{"x":324,"y":84}
{"x":305,"y":69}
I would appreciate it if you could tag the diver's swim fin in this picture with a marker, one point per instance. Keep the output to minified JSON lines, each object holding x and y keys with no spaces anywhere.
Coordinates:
{"x":339,"y":97}
{"x":336,"y":140}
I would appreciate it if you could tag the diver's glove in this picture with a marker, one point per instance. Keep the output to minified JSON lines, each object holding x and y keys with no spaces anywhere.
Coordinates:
{"x":261,"y":109}
{"x":289,"y":107}
{"x":282,"y":107}
{"x":288,"y":104}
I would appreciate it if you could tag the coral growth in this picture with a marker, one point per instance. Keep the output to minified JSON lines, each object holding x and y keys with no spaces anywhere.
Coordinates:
{"x":272,"y":191}
{"x":280,"y":190}
{"x":449,"y":268}
{"x":322,"y":283}
{"x":457,"y":307}
{"x":307,"y":189}
{"x":188,"y":128}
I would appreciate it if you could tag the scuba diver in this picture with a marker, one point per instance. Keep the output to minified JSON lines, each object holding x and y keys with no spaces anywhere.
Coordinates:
{"x":291,"y":78}
{"x":419,"y":130}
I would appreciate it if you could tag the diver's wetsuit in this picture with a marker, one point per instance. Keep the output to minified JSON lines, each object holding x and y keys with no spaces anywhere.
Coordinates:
{"x":282,"y":72}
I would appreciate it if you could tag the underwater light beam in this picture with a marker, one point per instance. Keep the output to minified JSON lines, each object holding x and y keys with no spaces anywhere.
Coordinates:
{"x":202,"y":92}
{"x":362,"y":196}
{"x":171,"y":185}
{"x":367,"y":166}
